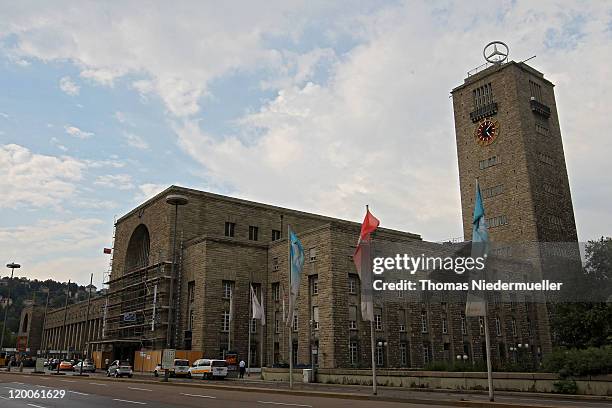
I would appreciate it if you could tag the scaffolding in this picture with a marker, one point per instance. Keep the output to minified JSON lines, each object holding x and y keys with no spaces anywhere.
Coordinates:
{"x":138,"y":304}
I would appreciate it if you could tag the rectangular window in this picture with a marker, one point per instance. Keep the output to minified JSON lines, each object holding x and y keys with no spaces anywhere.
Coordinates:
{"x":463,"y":325}
{"x":490,"y":162}
{"x":402,"y":320}
{"x":536,"y":91}
{"x":529,"y":328}
{"x":276,"y":291}
{"x":444,"y":326}
{"x":315,"y":317}
{"x":295,"y":320}
{"x":497,"y":221}
{"x":425,"y":353}
{"x":513,"y":326}
{"x":227,"y":289}
{"x":191,"y":291}
{"x":312,"y":254}
{"x":353,"y":353}
{"x":380,"y":356}
{"x":541,"y":130}
{"x":353,"y":317}
{"x":483,"y":95}
{"x":276,"y":235}
{"x":229,"y":229}
{"x":546,"y":159}
{"x":403,"y":354}
{"x":314,"y":284}
{"x":481,"y":324}
{"x":226,"y":321}
{"x":253,"y":233}
{"x":497,"y":326}
{"x":492,"y":191}
{"x":352,"y":284}
{"x":378,"y":319}
{"x":253,"y":325}
{"x":424,"y":324}
{"x":555,"y":222}
{"x":191,"y":317}
{"x":277,"y":325}
{"x":550,"y":189}
{"x":275,"y":264}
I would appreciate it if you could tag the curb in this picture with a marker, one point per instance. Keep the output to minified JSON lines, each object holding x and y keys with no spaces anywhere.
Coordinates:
{"x":335,"y":395}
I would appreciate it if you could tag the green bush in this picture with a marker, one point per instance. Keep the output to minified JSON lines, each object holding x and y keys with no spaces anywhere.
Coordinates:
{"x":573,"y":362}
{"x":565,"y":386}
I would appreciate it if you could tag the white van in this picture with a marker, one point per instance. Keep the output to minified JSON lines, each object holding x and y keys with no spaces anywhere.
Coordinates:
{"x":206,"y":368}
{"x":180,"y":368}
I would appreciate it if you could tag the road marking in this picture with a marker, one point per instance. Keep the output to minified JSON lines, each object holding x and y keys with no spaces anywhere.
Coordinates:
{"x":131,"y":402}
{"x":70,"y":381}
{"x":139,"y":389}
{"x":15,"y":382}
{"x":198,"y":395}
{"x":78,"y":393}
{"x":36,"y":406}
{"x":3,"y":397}
{"x":103,"y":385}
{"x":284,"y":403}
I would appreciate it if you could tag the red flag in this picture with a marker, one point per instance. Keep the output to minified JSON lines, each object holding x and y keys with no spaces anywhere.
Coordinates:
{"x":107,"y":250}
{"x":369,"y":225}
{"x":363,"y":264}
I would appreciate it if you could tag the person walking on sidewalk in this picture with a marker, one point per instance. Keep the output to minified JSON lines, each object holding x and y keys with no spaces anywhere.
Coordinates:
{"x":242,"y":368}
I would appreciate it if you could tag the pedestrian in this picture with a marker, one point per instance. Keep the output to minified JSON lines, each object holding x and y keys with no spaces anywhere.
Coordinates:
{"x":242,"y":368}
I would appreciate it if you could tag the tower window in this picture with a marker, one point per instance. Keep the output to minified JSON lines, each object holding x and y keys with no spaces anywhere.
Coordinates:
{"x":536,"y":91}
{"x":229,"y":229}
{"x":544,"y":158}
{"x":276,"y":235}
{"x":541,"y":129}
{"x":482,"y":95}
{"x":253,"y":233}
{"x":492,"y":191}
{"x":491,"y":161}
{"x":497,"y":221}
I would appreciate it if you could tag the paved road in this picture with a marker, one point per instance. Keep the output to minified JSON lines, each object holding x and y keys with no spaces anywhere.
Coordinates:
{"x":119,"y":392}
{"x":122,"y":393}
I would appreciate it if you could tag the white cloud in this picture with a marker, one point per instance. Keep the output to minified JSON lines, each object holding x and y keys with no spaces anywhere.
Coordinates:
{"x":37,"y":180}
{"x":149,"y":190}
{"x":4,"y":115}
{"x":119,"y":181}
{"x":135,"y":140}
{"x":69,"y":87}
{"x":53,"y":248}
{"x":76,"y":132}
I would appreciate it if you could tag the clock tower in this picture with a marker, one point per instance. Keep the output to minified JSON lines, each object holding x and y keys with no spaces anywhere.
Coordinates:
{"x":508,"y":138}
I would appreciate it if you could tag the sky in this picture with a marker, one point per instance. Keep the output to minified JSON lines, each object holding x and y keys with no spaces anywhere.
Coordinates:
{"x":314,"y":105}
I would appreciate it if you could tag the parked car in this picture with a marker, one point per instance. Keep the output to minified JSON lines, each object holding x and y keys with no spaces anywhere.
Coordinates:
{"x":208,"y":369}
{"x":88,"y":366}
{"x":52,"y":363}
{"x":65,"y":365}
{"x":180,"y":368}
{"x":120,"y":368}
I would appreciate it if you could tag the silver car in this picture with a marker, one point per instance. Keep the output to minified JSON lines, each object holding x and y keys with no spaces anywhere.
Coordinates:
{"x":88,"y":367}
{"x":120,"y":368}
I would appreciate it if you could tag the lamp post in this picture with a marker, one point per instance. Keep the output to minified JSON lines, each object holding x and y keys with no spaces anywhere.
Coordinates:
{"x":46,"y":336}
{"x":384,"y":345}
{"x":12,"y":267}
{"x":176,"y":200}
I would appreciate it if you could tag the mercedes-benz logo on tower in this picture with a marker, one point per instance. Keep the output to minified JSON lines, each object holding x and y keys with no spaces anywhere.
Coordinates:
{"x":495,"y":52}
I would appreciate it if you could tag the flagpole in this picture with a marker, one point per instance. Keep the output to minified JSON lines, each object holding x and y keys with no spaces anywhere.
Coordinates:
{"x":372,"y":342}
{"x":290,"y":314}
{"x":231,"y":320}
{"x":250,"y":321}
{"x":261,"y":342}
{"x":486,"y":321}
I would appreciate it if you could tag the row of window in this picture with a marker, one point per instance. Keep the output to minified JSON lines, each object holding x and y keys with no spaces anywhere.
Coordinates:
{"x":497,"y":221}
{"x":230,"y":231}
{"x":492,"y":191}
{"x":483,"y":95}
{"x":544,"y":158}
{"x":535,"y":91}
{"x":491,"y":161}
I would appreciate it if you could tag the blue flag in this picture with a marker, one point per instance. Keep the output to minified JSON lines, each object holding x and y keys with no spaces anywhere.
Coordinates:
{"x":480,"y":235}
{"x":296,"y":261}
{"x":476,"y":302}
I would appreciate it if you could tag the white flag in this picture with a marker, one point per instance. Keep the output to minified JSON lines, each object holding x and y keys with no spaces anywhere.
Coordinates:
{"x":258,"y":310}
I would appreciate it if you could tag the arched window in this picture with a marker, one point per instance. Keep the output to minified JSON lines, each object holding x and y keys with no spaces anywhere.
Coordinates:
{"x":137,"y":254}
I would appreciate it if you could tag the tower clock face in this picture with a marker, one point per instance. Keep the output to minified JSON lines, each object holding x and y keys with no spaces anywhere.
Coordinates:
{"x":486,"y":132}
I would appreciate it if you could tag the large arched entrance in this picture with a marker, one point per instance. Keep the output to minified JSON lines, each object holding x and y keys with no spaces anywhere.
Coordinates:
{"x":137,"y":255}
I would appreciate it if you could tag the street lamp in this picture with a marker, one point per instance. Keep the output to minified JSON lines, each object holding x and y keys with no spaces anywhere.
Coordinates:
{"x":12,"y":267}
{"x":176,"y":200}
